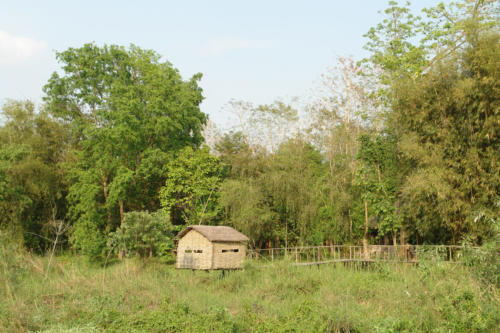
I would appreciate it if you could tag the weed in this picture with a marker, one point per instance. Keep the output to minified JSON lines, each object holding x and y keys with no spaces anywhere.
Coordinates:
{"x":137,"y":296}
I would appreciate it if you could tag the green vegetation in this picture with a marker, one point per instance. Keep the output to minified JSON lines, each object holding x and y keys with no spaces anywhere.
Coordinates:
{"x":127,"y":114}
{"x":192,"y":187}
{"x":143,"y":234}
{"x":138,"y":296}
{"x":401,"y":147}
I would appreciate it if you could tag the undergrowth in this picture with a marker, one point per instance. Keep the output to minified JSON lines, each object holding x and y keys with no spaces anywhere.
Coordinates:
{"x":150,"y":296}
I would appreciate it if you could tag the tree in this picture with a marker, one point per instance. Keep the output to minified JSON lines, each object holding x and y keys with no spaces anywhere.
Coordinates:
{"x":377,"y":179}
{"x":392,"y":43}
{"x":191,"y":191}
{"x":128,"y":112}
{"x":273,"y":196}
{"x":264,"y":126}
{"x":344,"y":106}
{"x":244,"y":202}
{"x":450,"y":119}
{"x":33,"y":180}
{"x":246,"y":207}
{"x":293,"y":182}
{"x":437,"y":111}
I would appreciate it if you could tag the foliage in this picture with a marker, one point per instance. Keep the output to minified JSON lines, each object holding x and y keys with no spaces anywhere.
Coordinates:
{"x":483,"y":262}
{"x":265,"y":126}
{"x":272,"y":197}
{"x":345,"y":107}
{"x":127,"y":112}
{"x":245,"y":208}
{"x":377,"y":179}
{"x":33,"y":182}
{"x":391,"y":43}
{"x":145,"y":234}
{"x":450,"y":126}
{"x":440,"y":88}
{"x":404,"y":144}
{"x":191,"y":191}
{"x":134,"y":295}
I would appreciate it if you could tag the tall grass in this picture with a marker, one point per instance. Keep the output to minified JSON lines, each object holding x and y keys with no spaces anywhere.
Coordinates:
{"x":138,"y":296}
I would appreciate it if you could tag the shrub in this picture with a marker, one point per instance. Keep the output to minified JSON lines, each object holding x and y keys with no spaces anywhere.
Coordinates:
{"x":144,"y":234}
{"x":89,"y":239}
{"x":12,"y":261}
{"x":483,"y":262}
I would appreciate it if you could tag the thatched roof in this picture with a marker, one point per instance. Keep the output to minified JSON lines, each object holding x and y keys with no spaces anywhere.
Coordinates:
{"x":216,"y":233}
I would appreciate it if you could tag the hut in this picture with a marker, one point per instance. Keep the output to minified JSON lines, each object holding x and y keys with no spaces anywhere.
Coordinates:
{"x":211,"y":247}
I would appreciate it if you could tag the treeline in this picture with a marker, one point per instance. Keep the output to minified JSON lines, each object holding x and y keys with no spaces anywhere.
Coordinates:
{"x":401,"y":147}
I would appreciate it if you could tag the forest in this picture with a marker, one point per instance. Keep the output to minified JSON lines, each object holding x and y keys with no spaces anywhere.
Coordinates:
{"x":401,"y":147}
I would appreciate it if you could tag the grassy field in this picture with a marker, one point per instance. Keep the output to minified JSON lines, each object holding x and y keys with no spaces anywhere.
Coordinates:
{"x":136,"y":296}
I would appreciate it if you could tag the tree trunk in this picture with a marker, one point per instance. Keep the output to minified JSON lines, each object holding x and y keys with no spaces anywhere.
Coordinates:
{"x":365,"y":235}
{"x":58,"y":232}
{"x":105,"y":192}
{"x":121,"y":211}
{"x":286,"y":233}
{"x":350,"y":225}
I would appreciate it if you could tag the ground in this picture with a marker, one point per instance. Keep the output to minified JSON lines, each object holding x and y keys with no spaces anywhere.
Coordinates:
{"x":152,"y":296}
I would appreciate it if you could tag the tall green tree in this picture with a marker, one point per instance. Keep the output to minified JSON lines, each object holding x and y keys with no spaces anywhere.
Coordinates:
{"x":128,"y":112}
{"x":377,"y":179}
{"x":273,"y":196}
{"x":451,"y":119}
{"x":296,"y":171}
{"x":33,"y":180}
{"x":191,"y":191}
{"x":394,"y":45}
{"x":244,"y":201}
{"x":436,"y":142}
{"x":344,"y":108}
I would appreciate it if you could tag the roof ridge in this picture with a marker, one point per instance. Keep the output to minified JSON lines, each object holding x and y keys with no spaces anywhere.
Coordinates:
{"x":216,"y":233}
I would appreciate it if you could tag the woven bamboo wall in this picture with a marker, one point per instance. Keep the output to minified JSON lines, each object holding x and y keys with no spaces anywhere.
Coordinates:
{"x":187,"y":255}
{"x":225,"y":258}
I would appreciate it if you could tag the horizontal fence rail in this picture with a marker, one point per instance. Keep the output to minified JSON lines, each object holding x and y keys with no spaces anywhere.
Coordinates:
{"x":310,"y":255}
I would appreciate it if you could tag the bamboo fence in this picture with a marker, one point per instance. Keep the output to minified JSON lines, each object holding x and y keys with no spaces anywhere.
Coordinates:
{"x":311,"y":255}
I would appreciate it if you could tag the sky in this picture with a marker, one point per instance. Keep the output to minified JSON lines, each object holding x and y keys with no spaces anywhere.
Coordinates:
{"x":256,"y":51}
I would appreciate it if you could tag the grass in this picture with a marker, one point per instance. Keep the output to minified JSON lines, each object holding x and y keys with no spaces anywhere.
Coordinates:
{"x":136,"y":296}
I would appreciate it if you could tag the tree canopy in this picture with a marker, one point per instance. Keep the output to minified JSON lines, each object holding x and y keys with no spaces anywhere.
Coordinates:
{"x":400,"y":147}
{"x":128,"y":113}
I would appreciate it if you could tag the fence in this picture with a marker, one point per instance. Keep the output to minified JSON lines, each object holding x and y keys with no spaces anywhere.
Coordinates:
{"x":305,"y":255}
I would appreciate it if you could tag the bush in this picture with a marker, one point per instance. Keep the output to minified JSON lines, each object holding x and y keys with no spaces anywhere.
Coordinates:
{"x":483,"y":262}
{"x":89,"y":239}
{"x":12,"y":261}
{"x":144,"y":234}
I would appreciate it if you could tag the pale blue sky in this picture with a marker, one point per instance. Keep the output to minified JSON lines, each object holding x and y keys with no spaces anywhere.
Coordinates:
{"x":251,"y":50}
